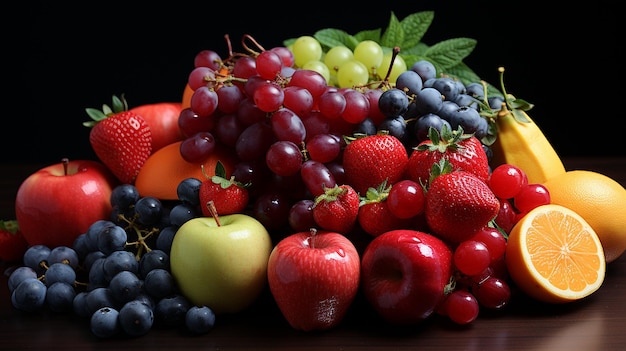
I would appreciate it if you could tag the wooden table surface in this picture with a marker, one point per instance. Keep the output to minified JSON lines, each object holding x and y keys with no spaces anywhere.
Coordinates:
{"x":595,"y":323}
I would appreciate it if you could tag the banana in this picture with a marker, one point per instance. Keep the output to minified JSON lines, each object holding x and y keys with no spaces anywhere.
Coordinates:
{"x":520,"y":142}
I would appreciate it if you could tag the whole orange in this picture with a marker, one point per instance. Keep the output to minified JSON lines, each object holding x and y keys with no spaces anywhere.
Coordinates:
{"x":166,"y":168}
{"x":600,"y":200}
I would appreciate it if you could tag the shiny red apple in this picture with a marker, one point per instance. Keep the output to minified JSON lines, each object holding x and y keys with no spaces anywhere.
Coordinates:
{"x":59,"y":202}
{"x":314,"y":277}
{"x":404,"y":274}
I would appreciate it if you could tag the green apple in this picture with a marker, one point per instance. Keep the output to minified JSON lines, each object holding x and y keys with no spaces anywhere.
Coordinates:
{"x":221,"y":262}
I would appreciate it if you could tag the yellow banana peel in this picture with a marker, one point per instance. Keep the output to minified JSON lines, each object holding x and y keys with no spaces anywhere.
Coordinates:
{"x":521,"y":142}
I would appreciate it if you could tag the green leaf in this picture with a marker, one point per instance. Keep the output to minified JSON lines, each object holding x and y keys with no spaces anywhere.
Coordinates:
{"x":520,"y":116}
{"x":331,"y":37}
{"x":520,"y":104}
{"x":371,"y":34}
{"x":394,"y":34}
{"x":417,"y":50}
{"x":451,"y":52}
{"x":415,"y":26}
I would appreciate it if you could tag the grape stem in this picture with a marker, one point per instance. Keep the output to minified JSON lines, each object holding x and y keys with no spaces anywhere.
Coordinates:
{"x":394,"y":54}
{"x":256,"y":43}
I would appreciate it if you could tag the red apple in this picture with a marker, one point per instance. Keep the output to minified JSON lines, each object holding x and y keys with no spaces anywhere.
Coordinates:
{"x":314,"y":277}
{"x":404,"y":274}
{"x":162,"y":118}
{"x":59,"y":202}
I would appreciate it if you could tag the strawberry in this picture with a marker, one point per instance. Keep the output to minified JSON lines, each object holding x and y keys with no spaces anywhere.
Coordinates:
{"x":120,"y":138}
{"x":371,"y":159}
{"x":228,"y":195}
{"x":458,"y":204}
{"x":12,"y":242}
{"x":464,"y":151}
{"x":375,"y":217}
{"x":337,"y":208}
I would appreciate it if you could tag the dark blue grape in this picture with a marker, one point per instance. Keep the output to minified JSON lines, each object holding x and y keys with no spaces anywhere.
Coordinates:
{"x":448,"y":108}
{"x":81,"y":247}
{"x":112,"y":238}
{"x":467,"y":100}
{"x":460,"y":86}
{"x":119,"y":261}
{"x":36,"y":257}
{"x":170,"y":311}
{"x":188,"y":191}
{"x":104,"y":323}
{"x":136,"y":318}
{"x":475,"y":90}
{"x":424,"y":123}
{"x":79,"y":304}
{"x":159,"y":283}
{"x":125,"y":286}
{"x":93,"y":232}
{"x":165,"y":239}
{"x":393,"y":102}
{"x":425,"y":69}
{"x":149,"y":210}
{"x":20,"y":274}
{"x":98,"y":298}
{"x":91,"y":258}
{"x":467,"y":118}
{"x":495,"y":102}
{"x":429,"y":83}
{"x":124,"y":196}
{"x":29,"y":295}
{"x":96,"y":275}
{"x":367,"y":127}
{"x":60,"y":297}
{"x":411,"y":112}
{"x":60,"y":272}
{"x":429,"y":100}
{"x":483,"y":128}
{"x":147,"y":299}
{"x":394,"y":126}
{"x":200,"y":319}
{"x":447,"y":87}
{"x":410,"y":82}
{"x":183,"y":212}
{"x":63,"y":254}
{"x":152,"y":260}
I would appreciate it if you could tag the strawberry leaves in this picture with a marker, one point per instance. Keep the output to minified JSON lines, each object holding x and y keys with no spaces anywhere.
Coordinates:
{"x":119,"y":105}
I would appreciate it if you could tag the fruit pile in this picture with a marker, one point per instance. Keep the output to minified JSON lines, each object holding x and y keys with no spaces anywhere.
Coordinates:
{"x":334,"y":164}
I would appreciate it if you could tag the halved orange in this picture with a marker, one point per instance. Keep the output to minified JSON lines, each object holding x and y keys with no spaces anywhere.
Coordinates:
{"x":165,"y":169}
{"x":554,"y":255}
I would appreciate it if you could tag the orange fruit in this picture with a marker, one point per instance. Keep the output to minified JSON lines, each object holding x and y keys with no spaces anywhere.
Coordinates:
{"x":165,"y":169}
{"x":600,"y":200}
{"x":186,"y":100}
{"x":554,"y":255}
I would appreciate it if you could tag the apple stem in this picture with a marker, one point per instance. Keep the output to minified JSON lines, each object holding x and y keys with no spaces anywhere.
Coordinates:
{"x":313,"y":232}
{"x":211,"y":206}
{"x":66,"y":162}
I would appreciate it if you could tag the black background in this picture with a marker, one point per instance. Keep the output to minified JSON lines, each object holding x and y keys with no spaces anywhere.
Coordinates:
{"x":67,"y":58}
